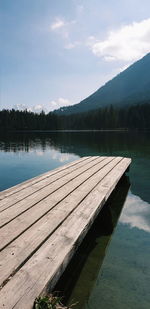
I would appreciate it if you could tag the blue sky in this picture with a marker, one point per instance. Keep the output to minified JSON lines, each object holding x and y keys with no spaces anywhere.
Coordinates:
{"x":57,"y":52}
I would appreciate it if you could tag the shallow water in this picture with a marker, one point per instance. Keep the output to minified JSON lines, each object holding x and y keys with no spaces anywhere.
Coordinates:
{"x":119,"y":278}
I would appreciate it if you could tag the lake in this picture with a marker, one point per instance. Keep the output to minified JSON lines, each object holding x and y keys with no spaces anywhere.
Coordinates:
{"x":112,"y":266}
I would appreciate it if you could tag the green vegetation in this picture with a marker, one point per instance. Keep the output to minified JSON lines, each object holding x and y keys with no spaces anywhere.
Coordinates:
{"x":49,"y":302}
{"x":24,"y":120}
{"x":130,"y":87}
{"x":131,"y":117}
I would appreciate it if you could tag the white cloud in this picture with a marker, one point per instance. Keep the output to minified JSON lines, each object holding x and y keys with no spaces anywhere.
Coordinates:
{"x":38,"y":108}
{"x":52,"y":105}
{"x":136,"y":213}
{"x":20,"y":107}
{"x":35,"y":109}
{"x":129,"y":43}
{"x":57,"y":24}
{"x":60,"y":102}
{"x":62,"y":27}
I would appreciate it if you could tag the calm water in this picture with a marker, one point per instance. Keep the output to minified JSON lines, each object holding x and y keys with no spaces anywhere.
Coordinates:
{"x":113,"y":269}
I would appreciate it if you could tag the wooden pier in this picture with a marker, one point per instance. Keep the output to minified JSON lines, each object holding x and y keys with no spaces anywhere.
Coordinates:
{"x":43,"y":221}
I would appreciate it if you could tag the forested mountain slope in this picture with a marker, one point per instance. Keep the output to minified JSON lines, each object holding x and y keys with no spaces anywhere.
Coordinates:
{"x":130,"y":87}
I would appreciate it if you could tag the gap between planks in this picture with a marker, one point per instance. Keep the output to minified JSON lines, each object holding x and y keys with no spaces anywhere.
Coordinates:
{"x":22,"y":222}
{"x":39,"y":232}
{"x":30,"y":280}
{"x":30,"y":201}
{"x":40,"y":182}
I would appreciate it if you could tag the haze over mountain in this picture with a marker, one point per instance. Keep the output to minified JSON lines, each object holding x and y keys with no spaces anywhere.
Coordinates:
{"x":130,"y":87}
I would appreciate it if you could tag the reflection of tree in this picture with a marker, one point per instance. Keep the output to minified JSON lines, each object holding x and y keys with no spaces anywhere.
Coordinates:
{"x":79,"y":143}
{"x":80,"y":275}
{"x":129,"y":144}
{"x":24,"y":142}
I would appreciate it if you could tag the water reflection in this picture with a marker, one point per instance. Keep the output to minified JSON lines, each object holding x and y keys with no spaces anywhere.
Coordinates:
{"x":79,"y":142}
{"x":56,"y":148}
{"x":121,"y":280}
{"x":136,"y":213}
{"x":83,"y":269}
{"x":26,"y":156}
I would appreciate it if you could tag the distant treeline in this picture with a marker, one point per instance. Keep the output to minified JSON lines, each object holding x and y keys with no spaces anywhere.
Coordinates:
{"x":132,"y":117}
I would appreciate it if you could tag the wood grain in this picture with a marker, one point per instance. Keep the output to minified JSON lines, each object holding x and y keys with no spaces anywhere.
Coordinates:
{"x":39,"y":243}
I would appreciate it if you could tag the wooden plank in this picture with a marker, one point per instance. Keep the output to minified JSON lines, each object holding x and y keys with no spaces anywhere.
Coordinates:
{"x":27,"y":183}
{"x":36,"y":186}
{"x":31,"y":215}
{"x":8,"y":214}
{"x":35,"y":179}
{"x":51,"y":259}
{"x":29,"y":241}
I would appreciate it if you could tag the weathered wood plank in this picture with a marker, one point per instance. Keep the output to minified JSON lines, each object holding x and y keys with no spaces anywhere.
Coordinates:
{"x":37,"y":196}
{"x":39,"y":184}
{"x":26,"y":219}
{"x":53,"y":256}
{"x":36,"y":234}
{"x":27,"y":183}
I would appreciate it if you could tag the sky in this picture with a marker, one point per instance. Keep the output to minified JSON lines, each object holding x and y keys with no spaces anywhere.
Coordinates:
{"x":55,"y":53}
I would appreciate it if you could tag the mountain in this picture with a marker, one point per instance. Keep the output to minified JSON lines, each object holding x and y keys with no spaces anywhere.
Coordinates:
{"x":131,"y":86}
